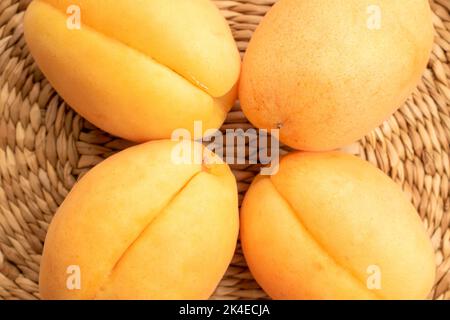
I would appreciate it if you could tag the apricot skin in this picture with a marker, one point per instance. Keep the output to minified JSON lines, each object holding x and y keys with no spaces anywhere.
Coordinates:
{"x":320,"y":227}
{"x":320,"y":73}
{"x":139,"y":226}
{"x":138,"y":70}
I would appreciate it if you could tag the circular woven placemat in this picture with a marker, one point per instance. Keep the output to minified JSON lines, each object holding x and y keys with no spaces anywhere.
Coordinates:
{"x":45,"y":147}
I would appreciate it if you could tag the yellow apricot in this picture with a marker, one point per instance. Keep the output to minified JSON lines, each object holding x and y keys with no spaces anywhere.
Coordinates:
{"x":327,"y":72}
{"x":137,"y":70}
{"x":332,"y":226}
{"x":141,"y":226}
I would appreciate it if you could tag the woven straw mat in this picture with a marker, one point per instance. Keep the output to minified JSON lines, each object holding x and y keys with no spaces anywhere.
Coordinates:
{"x":45,"y":147}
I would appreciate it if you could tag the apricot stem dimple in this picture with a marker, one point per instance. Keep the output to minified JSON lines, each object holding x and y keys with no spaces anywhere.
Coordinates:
{"x":208,"y":162}
{"x":205,"y":168}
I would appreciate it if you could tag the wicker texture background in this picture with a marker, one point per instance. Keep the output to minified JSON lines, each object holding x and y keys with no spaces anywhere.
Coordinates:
{"x":45,"y":147}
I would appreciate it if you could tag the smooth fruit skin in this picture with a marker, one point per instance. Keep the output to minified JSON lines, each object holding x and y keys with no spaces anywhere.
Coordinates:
{"x":141,"y":227}
{"x":323,"y":72}
{"x":139,"y":69}
{"x":323,"y":225}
